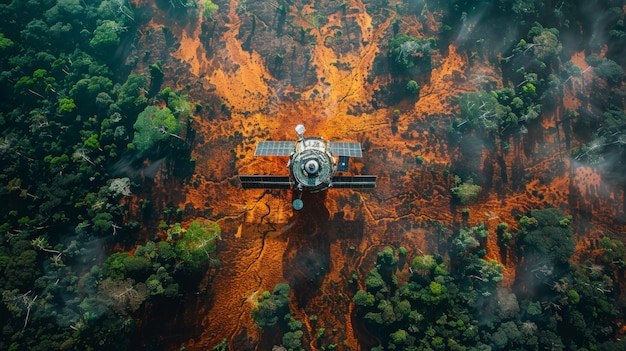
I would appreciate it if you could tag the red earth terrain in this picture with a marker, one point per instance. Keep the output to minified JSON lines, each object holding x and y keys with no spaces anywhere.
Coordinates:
{"x":230,"y":66}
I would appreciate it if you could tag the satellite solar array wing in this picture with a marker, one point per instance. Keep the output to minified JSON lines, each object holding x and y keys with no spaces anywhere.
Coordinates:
{"x":355,"y":182}
{"x":274,"y":148}
{"x":264,"y":182}
{"x":342,"y":165}
{"x":342,"y":148}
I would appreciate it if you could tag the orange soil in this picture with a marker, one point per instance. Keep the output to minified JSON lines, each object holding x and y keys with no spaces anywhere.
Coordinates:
{"x":263,"y":238}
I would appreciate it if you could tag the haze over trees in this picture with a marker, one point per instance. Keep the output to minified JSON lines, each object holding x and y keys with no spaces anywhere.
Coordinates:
{"x":70,"y":113}
{"x":458,"y":304}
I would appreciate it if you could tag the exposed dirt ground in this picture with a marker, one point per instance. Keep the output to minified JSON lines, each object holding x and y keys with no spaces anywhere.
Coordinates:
{"x":265,"y":242}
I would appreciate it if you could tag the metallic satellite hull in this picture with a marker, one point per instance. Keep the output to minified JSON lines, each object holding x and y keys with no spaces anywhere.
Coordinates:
{"x":312,"y":166}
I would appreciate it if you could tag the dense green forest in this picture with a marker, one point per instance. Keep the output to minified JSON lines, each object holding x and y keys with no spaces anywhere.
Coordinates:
{"x":75,"y":129}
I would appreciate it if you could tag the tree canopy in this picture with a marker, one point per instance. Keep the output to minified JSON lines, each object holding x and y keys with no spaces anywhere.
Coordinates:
{"x":153,"y":125}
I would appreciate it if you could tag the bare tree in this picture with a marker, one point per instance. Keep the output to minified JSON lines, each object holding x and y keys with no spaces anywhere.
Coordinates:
{"x":18,"y":303}
{"x":123,"y":295}
{"x":120,"y":186}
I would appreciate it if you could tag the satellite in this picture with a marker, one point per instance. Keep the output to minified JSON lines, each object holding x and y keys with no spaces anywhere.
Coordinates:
{"x":313,"y":166}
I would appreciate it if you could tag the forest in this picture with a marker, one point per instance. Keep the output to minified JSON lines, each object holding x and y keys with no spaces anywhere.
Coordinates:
{"x":497,"y":129}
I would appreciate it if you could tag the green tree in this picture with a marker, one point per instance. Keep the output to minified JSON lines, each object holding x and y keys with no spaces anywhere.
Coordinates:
{"x":412,"y":87}
{"x":293,"y":340}
{"x":545,"y":42}
{"x":424,"y":264}
{"x":197,"y":245}
{"x":137,"y":267}
{"x":64,"y":10}
{"x":130,"y":97}
{"x":610,"y":71}
{"x":153,"y":125}
{"x":209,"y":9}
{"x":375,"y":281}
{"x":5,"y":42}
{"x":406,"y":52}
{"x":547,"y":233}
{"x":363,"y":299}
{"x":398,"y":337}
{"x":272,"y":307}
{"x":92,"y":142}
{"x":87,"y":89}
{"x":103,"y":223}
{"x":466,"y":193}
{"x":106,"y":37}
{"x":546,"y":45}
{"x":114,"y":267}
{"x":21,"y":271}
{"x":66,"y":105}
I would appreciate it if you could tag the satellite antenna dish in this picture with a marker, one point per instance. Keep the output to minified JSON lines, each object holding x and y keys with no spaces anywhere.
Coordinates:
{"x":312,"y":166}
{"x":300,"y":130}
{"x":297,"y":204}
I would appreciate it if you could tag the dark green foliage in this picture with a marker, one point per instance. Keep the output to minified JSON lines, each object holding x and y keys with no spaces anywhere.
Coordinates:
{"x":593,"y":60}
{"x":363,"y":298}
{"x":412,"y":87}
{"x":131,"y":96}
{"x":375,"y":281}
{"x":292,"y":340}
{"x":197,"y":245}
{"x":156,"y":74}
{"x":223,"y":346}
{"x":466,"y":193}
{"x":408,"y":53}
{"x":610,"y":71}
{"x":545,"y":42}
{"x":136,"y":266}
{"x":272,"y":308}
{"x":547,"y":234}
{"x":105,"y":37}
{"x":387,"y":257}
{"x":608,"y":139}
{"x":154,"y":125}
{"x":66,"y":119}
{"x":273,"y":312}
{"x":461,"y":307}
{"x":21,"y":271}
{"x":499,"y":110}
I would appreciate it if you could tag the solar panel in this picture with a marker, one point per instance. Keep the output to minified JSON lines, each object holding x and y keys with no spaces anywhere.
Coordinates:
{"x":274,"y":148}
{"x":264,"y":182}
{"x":342,"y":165}
{"x":355,"y":182}
{"x":343,"y":148}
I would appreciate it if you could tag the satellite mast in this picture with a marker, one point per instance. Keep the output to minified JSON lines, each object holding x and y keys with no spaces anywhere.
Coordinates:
{"x":313,"y":166}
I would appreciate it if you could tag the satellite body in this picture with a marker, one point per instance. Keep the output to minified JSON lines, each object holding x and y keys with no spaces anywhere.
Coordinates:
{"x":312,"y":165}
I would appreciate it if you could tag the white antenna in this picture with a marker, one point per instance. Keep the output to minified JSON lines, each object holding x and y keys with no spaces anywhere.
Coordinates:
{"x":300,"y":130}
